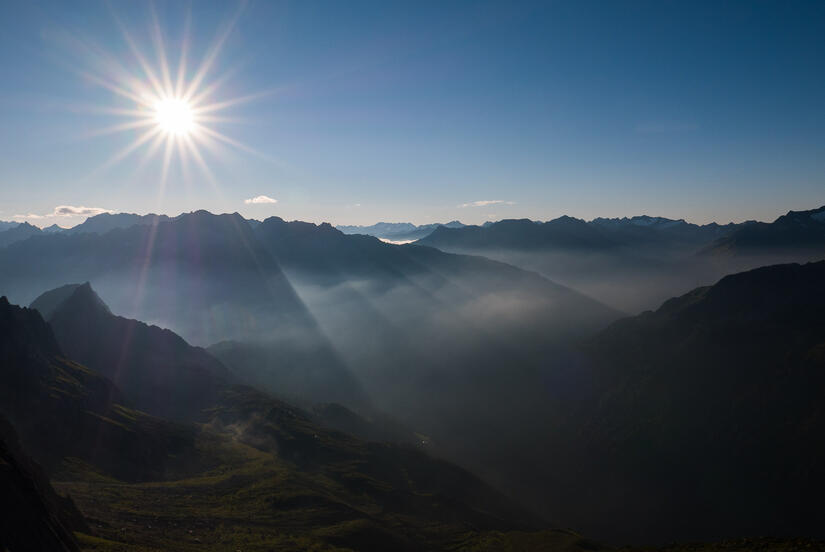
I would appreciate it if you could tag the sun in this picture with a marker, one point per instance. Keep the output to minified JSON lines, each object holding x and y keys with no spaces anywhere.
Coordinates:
{"x":172,"y":109}
{"x":174,"y":116}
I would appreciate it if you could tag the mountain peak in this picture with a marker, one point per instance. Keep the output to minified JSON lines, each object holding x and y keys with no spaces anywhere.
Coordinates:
{"x":71,"y":296}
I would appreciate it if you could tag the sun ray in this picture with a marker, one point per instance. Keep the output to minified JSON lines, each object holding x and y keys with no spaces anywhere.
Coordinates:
{"x":144,"y":64}
{"x":213,"y":87}
{"x":184,"y":52}
{"x":199,"y":161}
{"x":160,"y":51}
{"x":151,"y":150}
{"x":125,"y":152}
{"x":167,"y":159}
{"x":121,"y":127}
{"x":116,"y":89}
{"x":218,"y":106}
{"x":212,"y":55}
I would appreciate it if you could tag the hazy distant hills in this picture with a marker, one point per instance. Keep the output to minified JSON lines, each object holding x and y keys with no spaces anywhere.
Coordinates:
{"x":703,"y":419}
{"x":397,"y":231}
{"x":5,"y":225}
{"x":570,"y":233}
{"x":608,"y":259}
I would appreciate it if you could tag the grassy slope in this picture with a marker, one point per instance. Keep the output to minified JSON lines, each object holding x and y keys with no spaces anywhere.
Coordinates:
{"x":279,"y":482}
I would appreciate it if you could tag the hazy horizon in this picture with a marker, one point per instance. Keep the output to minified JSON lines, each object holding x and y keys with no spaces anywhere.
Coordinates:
{"x":366,"y":112}
{"x":63,"y":221}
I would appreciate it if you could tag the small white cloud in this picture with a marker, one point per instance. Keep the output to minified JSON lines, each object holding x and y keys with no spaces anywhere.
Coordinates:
{"x":78,"y":211}
{"x":486,"y":202}
{"x":260,"y":199}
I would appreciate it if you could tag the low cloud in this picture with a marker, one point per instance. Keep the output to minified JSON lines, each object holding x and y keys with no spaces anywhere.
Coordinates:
{"x":66,"y":211}
{"x":487,"y":202}
{"x":78,"y":211}
{"x":260,"y":199}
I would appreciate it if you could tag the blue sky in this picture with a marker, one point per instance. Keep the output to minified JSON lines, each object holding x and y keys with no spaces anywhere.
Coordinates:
{"x":431,"y":111}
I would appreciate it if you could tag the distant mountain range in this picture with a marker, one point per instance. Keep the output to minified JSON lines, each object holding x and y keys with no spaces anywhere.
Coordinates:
{"x":17,"y":233}
{"x":568,"y":233}
{"x":397,"y":231}
{"x":793,"y":233}
{"x":796,"y":229}
{"x":636,"y":263}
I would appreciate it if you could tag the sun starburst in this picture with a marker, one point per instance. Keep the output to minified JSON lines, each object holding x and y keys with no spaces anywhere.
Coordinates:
{"x":171,"y":114}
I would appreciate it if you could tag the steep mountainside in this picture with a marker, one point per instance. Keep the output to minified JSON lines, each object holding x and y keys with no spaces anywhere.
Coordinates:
{"x":702,"y":420}
{"x":158,"y":371}
{"x":34,"y":517}
{"x":64,"y":410}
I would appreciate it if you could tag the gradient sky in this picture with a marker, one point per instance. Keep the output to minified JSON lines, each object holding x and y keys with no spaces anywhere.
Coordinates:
{"x":432,"y":111}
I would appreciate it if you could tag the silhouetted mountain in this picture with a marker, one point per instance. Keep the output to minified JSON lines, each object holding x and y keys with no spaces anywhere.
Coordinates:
{"x":63,"y":410}
{"x":102,"y":223}
{"x":156,"y":369}
{"x":702,"y":420}
{"x":397,"y":231}
{"x":33,"y":516}
{"x":791,"y":234}
{"x":18,"y":233}
{"x":54,"y":228}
